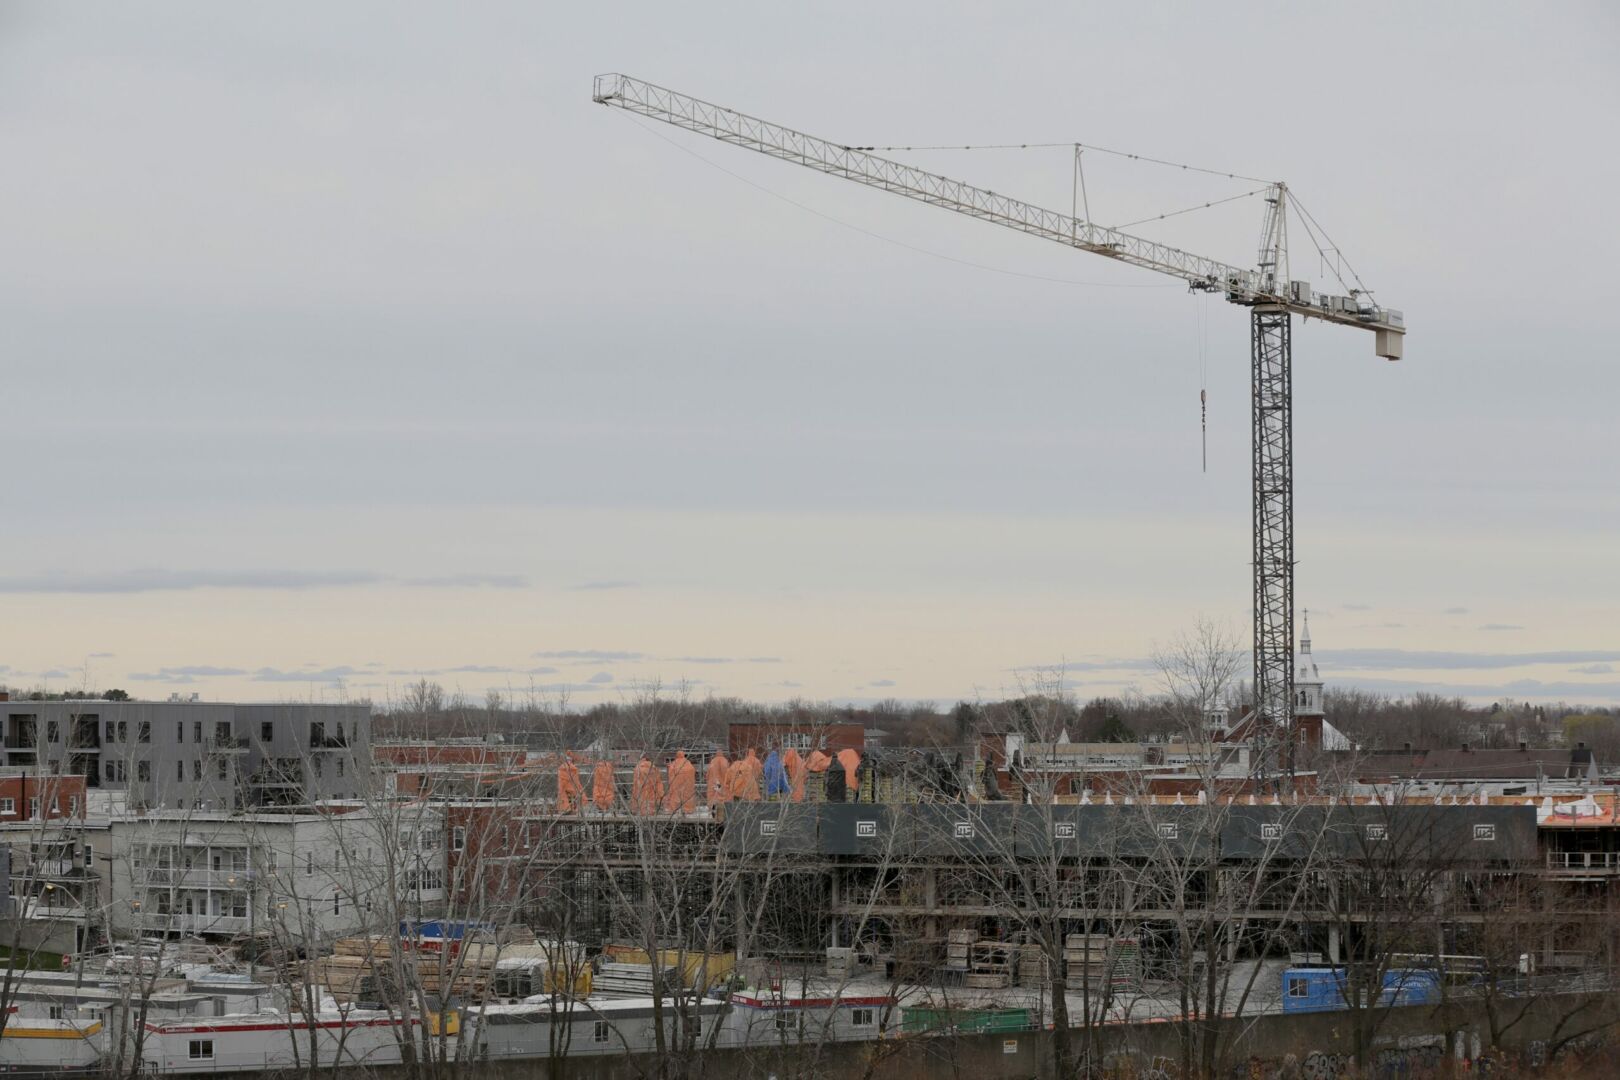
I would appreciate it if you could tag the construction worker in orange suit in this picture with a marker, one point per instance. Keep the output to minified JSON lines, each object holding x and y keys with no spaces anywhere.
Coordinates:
{"x":646,"y":788}
{"x":570,"y":790}
{"x":744,"y":778}
{"x":717,"y":782}
{"x":796,"y":769}
{"x":681,"y":795}
{"x":602,"y":793}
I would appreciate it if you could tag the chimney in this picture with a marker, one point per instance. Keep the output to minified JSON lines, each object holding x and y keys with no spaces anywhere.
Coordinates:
{"x":5,"y":695}
{"x":1523,"y":746}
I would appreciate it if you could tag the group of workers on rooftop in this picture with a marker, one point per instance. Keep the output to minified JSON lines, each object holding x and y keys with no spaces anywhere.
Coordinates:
{"x":673,"y":790}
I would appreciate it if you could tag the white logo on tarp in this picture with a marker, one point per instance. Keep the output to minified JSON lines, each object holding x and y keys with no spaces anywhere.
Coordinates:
{"x":1484,"y":832}
{"x":1064,"y":831}
{"x":1271,"y":831}
{"x":767,"y":828}
{"x":1169,"y":832}
{"x":1377,"y":832}
{"x":964,"y":830}
{"x":866,"y":828}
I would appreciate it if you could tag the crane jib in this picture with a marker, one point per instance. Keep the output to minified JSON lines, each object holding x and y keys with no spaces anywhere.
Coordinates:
{"x":1240,"y":286}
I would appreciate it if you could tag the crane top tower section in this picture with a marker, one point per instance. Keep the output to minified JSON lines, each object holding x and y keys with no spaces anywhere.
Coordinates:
{"x":1265,"y":286}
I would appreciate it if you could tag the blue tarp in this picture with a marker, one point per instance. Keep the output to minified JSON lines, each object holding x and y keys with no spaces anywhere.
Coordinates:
{"x":776,"y":781}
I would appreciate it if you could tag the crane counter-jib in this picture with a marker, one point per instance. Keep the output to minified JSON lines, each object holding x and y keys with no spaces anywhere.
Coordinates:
{"x":1241,"y":286}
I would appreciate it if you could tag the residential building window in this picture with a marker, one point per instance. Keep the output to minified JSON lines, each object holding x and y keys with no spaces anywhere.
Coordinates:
{"x":201,"y":1050}
{"x":1298,"y":988}
{"x":143,"y":771}
{"x":180,"y":771}
{"x":309,"y":863}
{"x":270,"y":861}
{"x":239,"y":905}
{"x":224,"y":769}
{"x":337,"y":903}
{"x":8,"y":806}
{"x":196,"y":768}
{"x":317,"y":734}
{"x":56,"y":1012}
{"x":33,"y":808}
{"x":458,"y":838}
{"x":144,"y":732}
{"x":73,"y":806}
{"x":222,"y":731}
{"x":196,"y":731}
{"x":862,"y":1018}
{"x":112,"y":732}
{"x":784,"y":1021}
{"x":53,"y":731}
{"x":267,"y":731}
{"x":599,"y":1031}
{"x":179,"y":731}
{"x":123,"y":731}
{"x":340,"y":766}
{"x":108,"y":770}
{"x":316,"y":762}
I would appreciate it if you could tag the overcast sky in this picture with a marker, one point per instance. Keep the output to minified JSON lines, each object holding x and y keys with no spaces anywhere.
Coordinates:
{"x":348,"y":343}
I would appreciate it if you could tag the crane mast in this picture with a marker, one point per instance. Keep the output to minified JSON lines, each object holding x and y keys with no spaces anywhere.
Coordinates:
{"x":1273,"y":300}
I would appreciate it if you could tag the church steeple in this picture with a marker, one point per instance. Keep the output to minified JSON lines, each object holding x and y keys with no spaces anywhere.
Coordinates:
{"x":1307,"y":679}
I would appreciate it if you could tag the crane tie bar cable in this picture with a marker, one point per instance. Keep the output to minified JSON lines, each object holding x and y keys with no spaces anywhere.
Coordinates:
{"x":1082,"y":146}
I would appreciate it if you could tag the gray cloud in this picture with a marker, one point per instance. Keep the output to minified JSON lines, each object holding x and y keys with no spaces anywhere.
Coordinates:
{"x":206,"y":670}
{"x":587,"y":655}
{"x":540,"y":671}
{"x":102,"y":655}
{"x":1130,"y":664}
{"x":158,"y":676}
{"x":1500,"y":626}
{"x":1593,"y":669}
{"x":1399,"y":659}
{"x":1519,"y":688}
{"x":876,"y":684}
{"x":603,"y":586}
{"x":1356,"y":607}
{"x":158,"y":580}
{"x":1456,"y":611}
{"x":600,"y":677}
{"x":326,"y":675}
{"x":467,"y":581}
{"x":726,"y":659}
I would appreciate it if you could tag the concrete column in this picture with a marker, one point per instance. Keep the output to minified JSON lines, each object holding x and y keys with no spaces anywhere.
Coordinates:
{"x":1333,"y":945}
{"x":931,"y":900}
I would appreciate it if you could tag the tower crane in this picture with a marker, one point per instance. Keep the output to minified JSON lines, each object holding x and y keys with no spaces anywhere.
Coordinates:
{"x":1266,"y":290}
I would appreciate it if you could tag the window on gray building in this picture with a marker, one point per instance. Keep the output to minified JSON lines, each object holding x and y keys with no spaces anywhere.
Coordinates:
{"x":224,"y":769}
{"x":196,"y":768}
{"x":143,"y":771}
{"x":180,"y":771}
{"x":145,"y":732}
{"x":53,"y":731}
{"x":196,"y":731}
{"x":179,"y":731}
{"x":267,"y":731}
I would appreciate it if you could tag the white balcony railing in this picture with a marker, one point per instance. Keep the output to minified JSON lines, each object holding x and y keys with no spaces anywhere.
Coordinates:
{"x":195,"y":924}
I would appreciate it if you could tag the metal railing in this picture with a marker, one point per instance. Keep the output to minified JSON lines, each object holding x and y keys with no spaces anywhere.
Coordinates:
{"x":1584,"y":862}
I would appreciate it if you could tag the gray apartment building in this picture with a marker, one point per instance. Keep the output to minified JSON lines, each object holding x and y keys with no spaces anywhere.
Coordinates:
{"x":180,"y":755}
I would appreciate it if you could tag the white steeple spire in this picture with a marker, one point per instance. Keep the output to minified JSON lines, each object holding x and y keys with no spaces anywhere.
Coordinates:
{"x":1307,"y":680}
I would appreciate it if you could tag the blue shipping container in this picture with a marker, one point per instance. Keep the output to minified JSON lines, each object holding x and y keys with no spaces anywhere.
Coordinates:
{"x":1320,"y":989}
